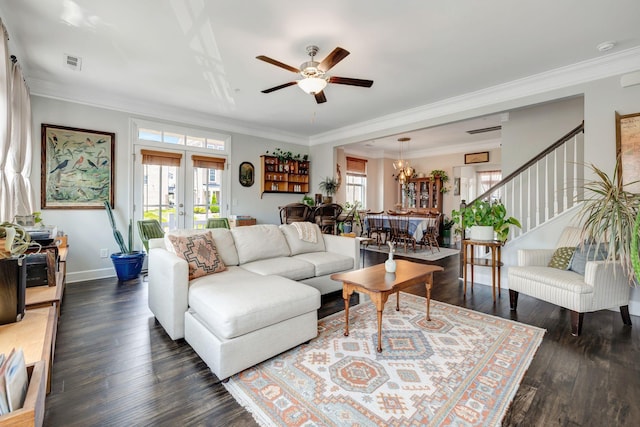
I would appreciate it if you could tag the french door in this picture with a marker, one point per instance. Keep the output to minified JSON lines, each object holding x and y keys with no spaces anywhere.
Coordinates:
{"x":178,"y":187}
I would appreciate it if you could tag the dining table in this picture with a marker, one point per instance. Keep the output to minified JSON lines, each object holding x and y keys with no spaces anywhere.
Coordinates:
{"x":417,"y":224}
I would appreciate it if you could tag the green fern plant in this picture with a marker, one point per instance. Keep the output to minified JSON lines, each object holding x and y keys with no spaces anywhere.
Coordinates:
{"x":116,"y":233}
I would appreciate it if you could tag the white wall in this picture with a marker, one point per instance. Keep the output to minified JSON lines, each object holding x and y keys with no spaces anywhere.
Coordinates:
{"x":530,"y":130}
{"x":89,"y":230}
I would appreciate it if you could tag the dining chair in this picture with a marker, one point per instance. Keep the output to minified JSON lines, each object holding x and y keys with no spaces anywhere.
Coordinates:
{"x":149,"y":229}
{"x":431,"y":233}
{"x":217,"y":223}
{"x":376,"y":227}
{"x":400,"y":234}
{"x":326,"y":216}
{"x":295,"y":212}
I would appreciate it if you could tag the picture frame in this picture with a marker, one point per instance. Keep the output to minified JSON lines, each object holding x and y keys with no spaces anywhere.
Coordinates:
{"x":246,"y":174}
{"x":628,"y":150}
{"x":456,"y":186}
{"x":77,"y":167}
{"x":481,"y":157}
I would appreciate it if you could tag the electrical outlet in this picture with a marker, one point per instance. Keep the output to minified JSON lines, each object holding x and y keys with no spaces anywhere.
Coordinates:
{"x":104,"y":253}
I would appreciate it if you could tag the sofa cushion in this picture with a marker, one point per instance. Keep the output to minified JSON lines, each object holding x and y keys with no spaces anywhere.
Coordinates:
{"x":299,"y":246}
{"x":289,"y":267}
{"x":234,"y":302}
{"x":327,"y":262}
{"x":221,"y":236}
{"x":561,"y":258}
{"x":256,"y":242}
{"x":550,"y":277}
{"x":199,"y":250}
{"x":587,"y":252}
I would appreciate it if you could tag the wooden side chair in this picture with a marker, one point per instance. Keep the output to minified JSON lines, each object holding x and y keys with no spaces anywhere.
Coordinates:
{"x":430,"y":235}
{"x":217,"y":223}
{"x":326,"y":216}
{"x":399,"y":225}
{"x":149,"y":229}
{"x":295,"y":212}
{"x":375,"y":227}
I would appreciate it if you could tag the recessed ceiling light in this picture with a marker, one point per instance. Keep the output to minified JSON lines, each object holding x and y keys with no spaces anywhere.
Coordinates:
{"x":605,"y":46}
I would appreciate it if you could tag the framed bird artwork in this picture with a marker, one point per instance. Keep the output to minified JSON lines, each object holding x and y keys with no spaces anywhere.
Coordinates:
{"x":77,"y":168}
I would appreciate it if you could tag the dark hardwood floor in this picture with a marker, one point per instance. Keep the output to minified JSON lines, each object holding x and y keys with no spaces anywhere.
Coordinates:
{"x":114,"y":365}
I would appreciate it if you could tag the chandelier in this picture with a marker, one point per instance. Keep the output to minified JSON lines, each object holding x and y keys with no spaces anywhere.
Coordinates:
{"x":405,"y":171}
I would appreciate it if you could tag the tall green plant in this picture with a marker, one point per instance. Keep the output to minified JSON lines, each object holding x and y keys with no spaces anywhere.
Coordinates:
{"x":608,"y":214}
{"x":116,"y":233}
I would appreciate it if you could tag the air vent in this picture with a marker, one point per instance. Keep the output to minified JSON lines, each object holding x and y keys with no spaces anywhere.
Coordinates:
{"x":484,"y":130}
{"x":73,"y":62}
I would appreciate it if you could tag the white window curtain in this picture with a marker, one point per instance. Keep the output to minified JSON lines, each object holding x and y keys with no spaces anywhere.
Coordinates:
{"x":20,"y":146}
{"x":5,"y":124}
{"x":16,"y":195}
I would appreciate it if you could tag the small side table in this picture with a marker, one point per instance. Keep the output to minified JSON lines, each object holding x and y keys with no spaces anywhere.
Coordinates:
{"x":495,"y":262}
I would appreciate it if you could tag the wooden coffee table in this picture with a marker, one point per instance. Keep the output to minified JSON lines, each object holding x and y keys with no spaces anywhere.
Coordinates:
{"x":378,"y":284}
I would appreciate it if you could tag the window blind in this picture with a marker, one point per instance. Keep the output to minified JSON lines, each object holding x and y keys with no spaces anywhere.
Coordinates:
{"x":208,"y":162}
{"x":160,"y":158}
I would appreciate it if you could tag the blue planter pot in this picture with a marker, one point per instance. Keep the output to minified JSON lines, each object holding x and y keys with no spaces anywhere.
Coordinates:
{"x":128,"y":266}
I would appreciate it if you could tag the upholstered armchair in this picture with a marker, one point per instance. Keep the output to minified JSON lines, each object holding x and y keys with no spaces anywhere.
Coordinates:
{"x":576,"y":283}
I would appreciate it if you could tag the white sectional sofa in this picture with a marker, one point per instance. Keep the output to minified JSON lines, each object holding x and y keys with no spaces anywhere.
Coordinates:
{"x":264,"y":303}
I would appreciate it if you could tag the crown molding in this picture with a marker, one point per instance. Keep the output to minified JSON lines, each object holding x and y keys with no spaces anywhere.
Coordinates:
{"x":610,"y":65}
{"x":571,"y":75}
{"x":166,"y":112}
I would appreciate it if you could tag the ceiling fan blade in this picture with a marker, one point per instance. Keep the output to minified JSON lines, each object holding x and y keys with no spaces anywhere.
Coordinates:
{"x":320,"y":98}
{"x":278,"y":87}
{"x":277,"y":63}
{"x":350,"y":81}
{"x":333,"y":58}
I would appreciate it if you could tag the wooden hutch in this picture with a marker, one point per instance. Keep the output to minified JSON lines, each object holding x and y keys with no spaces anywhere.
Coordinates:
{"x":283,"y":176}
{"x":422,"y":194}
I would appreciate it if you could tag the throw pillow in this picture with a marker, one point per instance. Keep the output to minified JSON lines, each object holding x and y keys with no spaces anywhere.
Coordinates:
{"x":562,"y":258}
{"x":199,"y":250}
{"x":587,"y":252}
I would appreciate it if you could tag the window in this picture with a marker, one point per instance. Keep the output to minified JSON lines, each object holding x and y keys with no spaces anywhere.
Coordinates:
{"x":181,"y":174}
{"x":357,"y":181}
{"x":486,"y":180}
{"x":176,"y":135}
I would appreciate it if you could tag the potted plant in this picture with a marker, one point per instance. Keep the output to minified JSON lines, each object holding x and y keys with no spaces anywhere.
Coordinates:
{"x":127,"y":262}
{"x":14,"y":242}
{"x":610,"y":210}
{"x":308,"y":200}
{"x":485,"y":220}
{"x":329,"y":186}
{"x":447,"y":225}
{"x":444,"y":178}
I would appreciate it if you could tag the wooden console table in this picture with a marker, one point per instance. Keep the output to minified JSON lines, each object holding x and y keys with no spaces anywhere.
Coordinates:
{"x":494,"y":262}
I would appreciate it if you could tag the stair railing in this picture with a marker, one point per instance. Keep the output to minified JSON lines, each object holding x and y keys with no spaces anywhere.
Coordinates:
{"x":545,"y":186}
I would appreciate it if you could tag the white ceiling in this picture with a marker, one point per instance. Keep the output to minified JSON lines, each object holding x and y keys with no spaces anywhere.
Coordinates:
{"x":182,"y":58}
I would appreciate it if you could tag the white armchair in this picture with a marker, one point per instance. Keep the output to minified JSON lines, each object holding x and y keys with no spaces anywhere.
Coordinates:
{"x":604,"y":285}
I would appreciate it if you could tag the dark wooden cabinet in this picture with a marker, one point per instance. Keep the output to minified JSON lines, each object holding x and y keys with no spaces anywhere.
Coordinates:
{"x":423,"y":194}
{"x":284,"y":176}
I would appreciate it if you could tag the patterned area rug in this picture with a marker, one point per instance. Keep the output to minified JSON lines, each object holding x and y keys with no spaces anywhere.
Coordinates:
{"x":463,"y":368}
{"x":425,"y":254}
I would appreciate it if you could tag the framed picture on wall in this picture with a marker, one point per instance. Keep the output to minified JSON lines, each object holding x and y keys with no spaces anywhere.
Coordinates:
{"x":481,"y":157}
{"x":246,"y":174}
{"x":456,"y":186}
{"x":628,"y":149}
{"x":77,"y":168}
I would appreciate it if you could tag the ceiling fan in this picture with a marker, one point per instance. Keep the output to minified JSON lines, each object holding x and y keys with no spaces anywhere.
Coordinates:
{"x":314,"y":77}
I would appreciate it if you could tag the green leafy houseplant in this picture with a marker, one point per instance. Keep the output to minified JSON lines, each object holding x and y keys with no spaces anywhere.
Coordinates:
{"x":14,"y":240}
{"x":329,"y":186}
{"x":484,"y":213}
{"x":609,"y":210}
{"x":444,"y":178}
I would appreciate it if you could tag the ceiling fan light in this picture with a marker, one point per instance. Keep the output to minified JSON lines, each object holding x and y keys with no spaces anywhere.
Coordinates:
{"x":312,"y":85}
